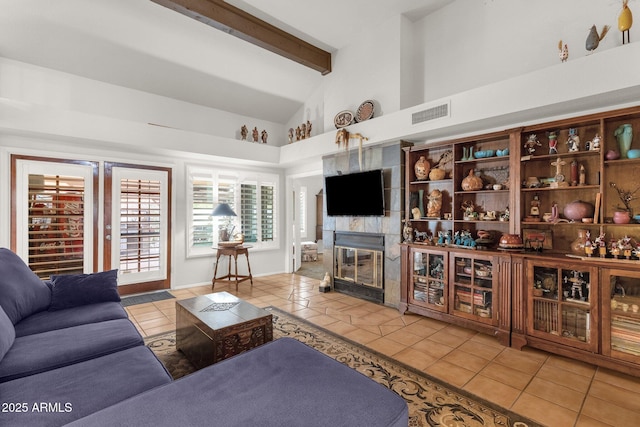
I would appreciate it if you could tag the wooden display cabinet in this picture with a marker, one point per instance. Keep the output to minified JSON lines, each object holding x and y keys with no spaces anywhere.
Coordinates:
{"x":562,"y":303}
{"x":428,"y":281}
{"x":621,"y":314}
{"x":474,"y":288}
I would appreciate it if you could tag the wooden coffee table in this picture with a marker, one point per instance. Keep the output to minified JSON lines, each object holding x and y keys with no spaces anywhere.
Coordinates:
{"x":216,"y":326}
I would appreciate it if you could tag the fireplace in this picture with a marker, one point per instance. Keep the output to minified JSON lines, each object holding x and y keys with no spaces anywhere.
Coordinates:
{"x":359,"y":265}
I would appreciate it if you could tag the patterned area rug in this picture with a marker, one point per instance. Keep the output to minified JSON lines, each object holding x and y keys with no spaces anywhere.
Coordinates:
{"x":431,"y":403}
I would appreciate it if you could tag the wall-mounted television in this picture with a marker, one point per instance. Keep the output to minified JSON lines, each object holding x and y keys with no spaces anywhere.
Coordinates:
{"x":355,"y":194}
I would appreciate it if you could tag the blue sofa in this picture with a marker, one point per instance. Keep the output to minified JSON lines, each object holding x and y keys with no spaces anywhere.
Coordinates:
{"x":69,"y":354}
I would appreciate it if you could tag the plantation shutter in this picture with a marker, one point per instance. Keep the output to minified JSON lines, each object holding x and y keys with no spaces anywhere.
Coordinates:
{"x":202,"y":206}
{"x":140,"y":225}
{"x":56,"y":224}
{"x":267,"y":212}
{"x":249,"y":214}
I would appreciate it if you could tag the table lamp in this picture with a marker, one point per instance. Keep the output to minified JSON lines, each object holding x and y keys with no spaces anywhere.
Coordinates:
{"x":224,"y":210}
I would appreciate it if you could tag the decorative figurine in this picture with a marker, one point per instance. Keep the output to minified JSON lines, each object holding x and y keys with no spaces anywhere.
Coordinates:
{"x":244,"y":131}
{"x":298,"y":133}
{"x":559,"y":177}
{"x":563,"y":51}
{"x":553,"y":142}
{"x":264,"y":136}
{"x":595,"y":143}
{"x":583,"y":176}
{"x":407,"y":231}
{"x":254,"y":132}
{"x":625,"y":20}
{"x":574,"y":140}
{"x":416,"y":213}
{"x":435,"y":204}
{"x":303,"y":131}
{"x":593,"y":39}
{"x":532,"y":143}
{"x":535,"y":207}
{"x":290,"y":135}
{"x":308,"y":133}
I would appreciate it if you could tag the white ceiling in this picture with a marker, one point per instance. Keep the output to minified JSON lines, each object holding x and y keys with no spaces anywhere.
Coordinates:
{"x":142,"y":45}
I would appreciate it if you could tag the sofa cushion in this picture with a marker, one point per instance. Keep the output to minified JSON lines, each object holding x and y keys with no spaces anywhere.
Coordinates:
{"x":73,"y":290}
{"x":21,"y":291}
{"x":7,"y":333}
{"x":281,"y":383}
{"x":37,"y":353}
{"x":75,"y":391}
{"x":44,"y":321}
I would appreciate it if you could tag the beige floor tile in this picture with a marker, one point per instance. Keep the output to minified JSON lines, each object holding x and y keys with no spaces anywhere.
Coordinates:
{"x":480,"y":349}
{"x":159,"y":330}
{"x":564,"y":377}
{"x":466,"y":360}
{"x":608,"y":413}
{"x":149,"y":315}
{"x":389,"y":329}
{"x":618,"y":379}
{"x":420,"y":329}
{"x":585,"y":421}
{"x":555,"y":393}
{"x":506,"y":375}
{"x":544,"y":412}
{"x":444,"y":337}
{"x":432,"y":348}
{"x":401,"y":336}
{"x":616,"y":395}
{"x":361,"y":336}
{"x":386,"y":346}
{"x":493,"y":391}
{"x":580,"y":368}
{"x":449,"y":373}
{"x":163,"y":321}
{"x":415,"y":358}
{"x":322,"y":320}
{"x":340,"y":328}
{"x":520,"y":360}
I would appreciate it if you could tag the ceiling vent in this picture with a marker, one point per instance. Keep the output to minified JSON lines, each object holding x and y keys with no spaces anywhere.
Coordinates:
{"x":432,"y":113}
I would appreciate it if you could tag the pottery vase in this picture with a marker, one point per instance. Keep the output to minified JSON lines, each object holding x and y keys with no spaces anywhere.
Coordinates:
{"x":577,"y":246}
{"x":436,"y":174}
{"x":465,"y":154}
{"x":621,"y":217}
{"x":577,"y":210}
{"x":472,"y":182}
{"x":421,"y":168}
{"x":624,"y":135}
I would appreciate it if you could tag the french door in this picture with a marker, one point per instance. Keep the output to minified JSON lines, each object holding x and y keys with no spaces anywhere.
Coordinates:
{"x":137,"y":218}
{"x":56,"y":227}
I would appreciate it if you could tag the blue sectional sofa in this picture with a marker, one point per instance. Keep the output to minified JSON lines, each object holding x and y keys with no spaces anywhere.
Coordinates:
{"x":69,"y":354}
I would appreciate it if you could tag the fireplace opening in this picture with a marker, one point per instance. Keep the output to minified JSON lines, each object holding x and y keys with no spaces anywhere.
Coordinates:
{"x":359,"y":265}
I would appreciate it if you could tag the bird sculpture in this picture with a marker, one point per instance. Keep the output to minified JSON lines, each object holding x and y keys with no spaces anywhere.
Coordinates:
{"x":563,"y":51}
{"x":593,"y":39}
{"x":625,"y":21}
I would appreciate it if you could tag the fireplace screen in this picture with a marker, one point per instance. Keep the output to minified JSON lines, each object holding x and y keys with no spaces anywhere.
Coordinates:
{"x":362,"y":266}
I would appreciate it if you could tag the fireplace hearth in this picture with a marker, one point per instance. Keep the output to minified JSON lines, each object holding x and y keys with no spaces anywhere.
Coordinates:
{"x":359,"y":265}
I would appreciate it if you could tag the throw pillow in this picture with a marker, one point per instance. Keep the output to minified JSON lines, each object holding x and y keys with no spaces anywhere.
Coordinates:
{"x":7,"y":333}
{"x":74,"y":290}
{"x":22,"y":293}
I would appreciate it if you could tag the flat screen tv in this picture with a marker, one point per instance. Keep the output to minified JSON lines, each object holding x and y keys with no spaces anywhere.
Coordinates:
{"x":355,"y":194}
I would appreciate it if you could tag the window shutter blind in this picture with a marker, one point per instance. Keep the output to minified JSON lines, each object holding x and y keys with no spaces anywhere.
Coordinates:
{"x":56,"y":229}
{"x":249,"y":214}
{"x":267,"y":196}
{"x":203,"y":205}
{"x":139,"y":226}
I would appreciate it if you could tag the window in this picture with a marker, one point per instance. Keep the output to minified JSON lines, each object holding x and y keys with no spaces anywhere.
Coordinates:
{"x":251,"y":196}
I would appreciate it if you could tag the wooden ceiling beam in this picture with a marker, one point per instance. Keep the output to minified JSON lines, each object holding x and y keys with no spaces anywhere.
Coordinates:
{"x":241,"y":24}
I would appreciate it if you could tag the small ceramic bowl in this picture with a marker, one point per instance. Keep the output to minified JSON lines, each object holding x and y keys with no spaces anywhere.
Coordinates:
{"x":497,"y":187}
{"x":633,"y":154}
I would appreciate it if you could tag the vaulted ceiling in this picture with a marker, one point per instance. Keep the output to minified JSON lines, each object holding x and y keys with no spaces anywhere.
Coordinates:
{"x":142,"y":45}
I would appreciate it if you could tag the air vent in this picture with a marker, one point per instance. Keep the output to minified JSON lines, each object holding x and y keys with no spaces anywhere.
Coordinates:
{"x":430,"y":114}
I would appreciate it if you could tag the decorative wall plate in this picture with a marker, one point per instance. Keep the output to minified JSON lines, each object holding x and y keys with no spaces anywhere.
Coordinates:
{"x":343,"y":119}
{"x":365,"y":111}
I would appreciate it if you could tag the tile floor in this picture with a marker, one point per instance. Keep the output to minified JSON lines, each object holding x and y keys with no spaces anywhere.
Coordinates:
{"x":552,"y":390}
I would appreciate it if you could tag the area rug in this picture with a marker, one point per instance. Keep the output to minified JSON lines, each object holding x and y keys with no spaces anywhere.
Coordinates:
{"x":431,"y":402}
{"x":144,"y":298}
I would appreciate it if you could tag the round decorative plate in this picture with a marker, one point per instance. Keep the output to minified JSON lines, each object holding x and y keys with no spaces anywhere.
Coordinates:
{"x":365,"y":111}
{"x":343,"y":119}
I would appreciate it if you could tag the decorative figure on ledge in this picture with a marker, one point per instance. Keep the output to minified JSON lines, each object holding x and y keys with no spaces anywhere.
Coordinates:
{"x":416,"y":213}
{"x":594,"y":144}
{"x":298,"y":133}
{"x":573,"y":142}
{"x":625,"y":21}
{"x":308,"y":133}
{"x":303,"y":131}
{"x":264,"y":136}
{"x":255,"y":135}
{"x":407,"y":231}
{"x":290,"y":135}
{"x":563,"y":51}
{"x":553,"y":142}
{"x":593,"y":39}
{"x":532,"y":143}
{"x":244,"y":131}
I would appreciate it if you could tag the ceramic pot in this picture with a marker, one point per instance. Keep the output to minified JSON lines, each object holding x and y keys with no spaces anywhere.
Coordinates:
{"x":612,"y":155}
{"x":577,"y":246}
{"x":421,"y":168}
{"x":511,"y":241}
{"x":472,"y":182}
{"x":624,"y":135}
{"x":577,"y":210}
{"x":621,"y":217}
{"x":437,"y":174}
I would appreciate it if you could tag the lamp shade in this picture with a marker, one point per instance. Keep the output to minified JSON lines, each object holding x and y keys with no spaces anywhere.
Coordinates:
{"x":223,"y":209}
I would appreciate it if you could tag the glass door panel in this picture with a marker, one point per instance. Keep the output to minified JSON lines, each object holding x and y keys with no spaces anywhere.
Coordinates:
{"x":621,"y":328}
{"x":429,"y":279}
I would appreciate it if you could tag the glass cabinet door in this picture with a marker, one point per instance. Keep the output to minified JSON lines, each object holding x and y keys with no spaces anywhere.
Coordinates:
{"x":473,"y":289}
{"x":621,"y":319}
{"x":561,"y":304}
{"x":429,"y":279}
